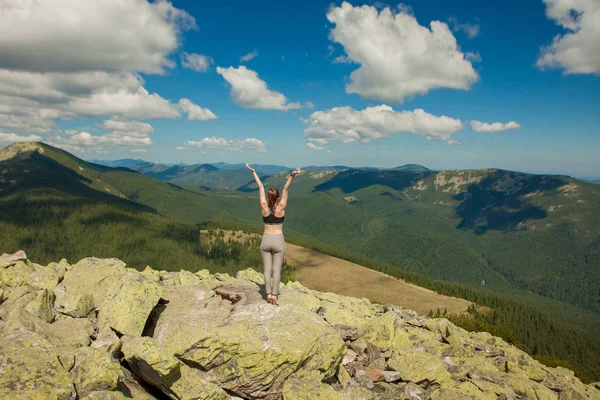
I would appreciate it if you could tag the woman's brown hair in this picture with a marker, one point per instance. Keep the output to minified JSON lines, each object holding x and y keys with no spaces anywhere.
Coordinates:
{"x":272,"y":198}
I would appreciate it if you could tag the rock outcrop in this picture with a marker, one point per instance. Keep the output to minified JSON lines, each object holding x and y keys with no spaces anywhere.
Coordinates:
{"x":100,"y":330}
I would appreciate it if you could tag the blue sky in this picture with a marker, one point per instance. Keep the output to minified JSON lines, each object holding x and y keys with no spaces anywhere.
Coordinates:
{"x":495,"y":73}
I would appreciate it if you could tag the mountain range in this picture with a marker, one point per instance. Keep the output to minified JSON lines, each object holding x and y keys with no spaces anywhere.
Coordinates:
{"x":531,"y":237}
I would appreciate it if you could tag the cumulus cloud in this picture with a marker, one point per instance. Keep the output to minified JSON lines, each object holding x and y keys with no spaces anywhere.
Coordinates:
{"x":249,"y":56}
{"x":342,"y":60}
{"x":472,"y":30}
{"x":473,"y":57}
{"x":398,"y":57}
{"x":86,"y":35}
{"x":344,"y":124}
{"x":313,"y":146}
{"x":577,"y":51}
{"x":63,"y":60}
{"x":249,"y":91}
{"x":195,"y":112}
{"x":196,"y":62}
{"x":134,"y":128}
{"x":216,"y":143}
{"x":9,"y":138}
{"x":478,"y":126}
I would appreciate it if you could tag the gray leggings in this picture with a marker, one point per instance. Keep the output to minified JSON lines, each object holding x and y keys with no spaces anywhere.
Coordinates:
{"x":272,"y":249}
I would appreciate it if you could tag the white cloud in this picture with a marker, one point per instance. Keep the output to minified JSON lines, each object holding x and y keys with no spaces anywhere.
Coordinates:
{"x":330,"y":50}
{"x":134,"y":128}
{"x":196,"y":62}
{"x":454,"y":142}
{"x":90,"y":35}
{"x":473,"y":57}
{"x":313,"y":146}
{"x":224,"y":144}
{"x":398,"y":57}
{"x":478,"y":126}
{"x":344,"y":124}
{"x":8,"y":138}
{"x":180,"y":148}
{"x":249,"y":56}
{"x":342,"y":60}
{"x":405,"y":8}
{"x":472,"y":30}
{"x":195,"y":112}
{"x":577,"y":51}
{"x":249,"y":91}
{"x":139,"y":151}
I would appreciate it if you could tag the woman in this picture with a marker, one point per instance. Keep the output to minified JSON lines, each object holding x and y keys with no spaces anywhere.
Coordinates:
{"x":272,"y":246}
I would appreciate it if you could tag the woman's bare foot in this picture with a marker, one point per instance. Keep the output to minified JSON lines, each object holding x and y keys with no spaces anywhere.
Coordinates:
{"x":269,"y":298}
{"x":274,"y":300}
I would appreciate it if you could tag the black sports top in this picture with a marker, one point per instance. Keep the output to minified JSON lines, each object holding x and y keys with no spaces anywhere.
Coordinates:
{"x":272,"y":219}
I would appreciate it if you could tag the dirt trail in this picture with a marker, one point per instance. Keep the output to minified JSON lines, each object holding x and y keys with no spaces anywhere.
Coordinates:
{"x":325,"y":273}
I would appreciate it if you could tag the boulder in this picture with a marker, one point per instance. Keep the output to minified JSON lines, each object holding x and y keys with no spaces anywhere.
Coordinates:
{"x":416,"y":367}
{"x":30,"y":367}
{"x":160,"y":369}
{"x":128,"y":304}
{"x":94,"y":370}
{"x":251,"y":275}
{"x":308,"y":386}
{"x":107,"y":341}
{"x":258,"y":346}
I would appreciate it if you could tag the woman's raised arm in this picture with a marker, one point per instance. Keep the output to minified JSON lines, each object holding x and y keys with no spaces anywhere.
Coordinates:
{"x":261,"y":189}
{"x":286,"y":188}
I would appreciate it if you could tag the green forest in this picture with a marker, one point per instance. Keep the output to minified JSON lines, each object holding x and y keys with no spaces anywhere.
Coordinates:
{"x":54,"y":206}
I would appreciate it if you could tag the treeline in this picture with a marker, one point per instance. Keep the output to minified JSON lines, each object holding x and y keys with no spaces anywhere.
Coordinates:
{"x":539,"y":334}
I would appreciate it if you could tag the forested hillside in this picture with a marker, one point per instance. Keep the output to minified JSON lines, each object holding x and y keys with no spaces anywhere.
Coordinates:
{"x":483,"y":233}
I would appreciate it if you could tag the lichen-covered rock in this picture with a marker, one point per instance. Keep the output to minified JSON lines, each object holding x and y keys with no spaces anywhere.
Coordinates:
{"x":128,"y":304}
{"x":160,"y":369}
{"x":42,"y":306}
{"x":190,"y":313}
{"x":76,"y":304}
{"x":105,"y":395}
{"x":346,"y":310}
{"x":251,"y":275}
{"x":416,"y":367}
{"x":94,"y":370}
{"x":107,"y":341}
{"x":259,"y":346}
{"x":93,"y":276}
{"x":15,"y":273}
{"x":307,"y":385}
{"x":30,"y":368}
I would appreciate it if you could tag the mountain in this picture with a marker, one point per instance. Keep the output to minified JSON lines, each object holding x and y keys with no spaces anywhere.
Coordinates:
{"x":180,"y":335}
{"x":507,"y":240}
{"x":412,"y":168}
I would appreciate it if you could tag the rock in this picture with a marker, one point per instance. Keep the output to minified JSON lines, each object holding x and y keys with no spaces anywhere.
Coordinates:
{"x":391,"y":376}
{"x":259,"y":346}
{"x":189,"y":278}
{"x":308,"y":386}
{"x":380,"y":331}
{"x":94,"y":370}
{"x":373,"y":374}
{"x":128,"y":304}
{"x":343,"y":376}
{"x":15,"y":273}
{"x":93,"y":276}
{"x":30,"y":367}
{"x":70,"y":332}
{"x":151,"y":274}
{"x":345,"y":310}
{"x":160,"y":369}
{"x":105,"y":395}
{"x":108,"y":342}
{"x":349,"y":357}
{"x":346,"y":332}
{"x":42,"y":306}
{"x":416,"y":367}
{"x":132,"y":387}
{"x":251,"y":275}
{"x":190,"y":313}
{"x":76,"y":304}
{"x":414,"y":392}
{"x":1,"y":295}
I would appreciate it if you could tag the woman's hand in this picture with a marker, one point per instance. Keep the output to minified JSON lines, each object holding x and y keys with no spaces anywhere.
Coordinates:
{"x":296,"y":172}
{"x":250,"y":168}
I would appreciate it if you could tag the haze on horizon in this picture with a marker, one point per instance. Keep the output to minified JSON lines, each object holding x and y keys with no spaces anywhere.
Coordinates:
{"x":498,"y":85}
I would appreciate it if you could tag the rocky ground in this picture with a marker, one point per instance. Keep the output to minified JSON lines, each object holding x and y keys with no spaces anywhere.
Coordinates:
{"x":99,"y":330}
